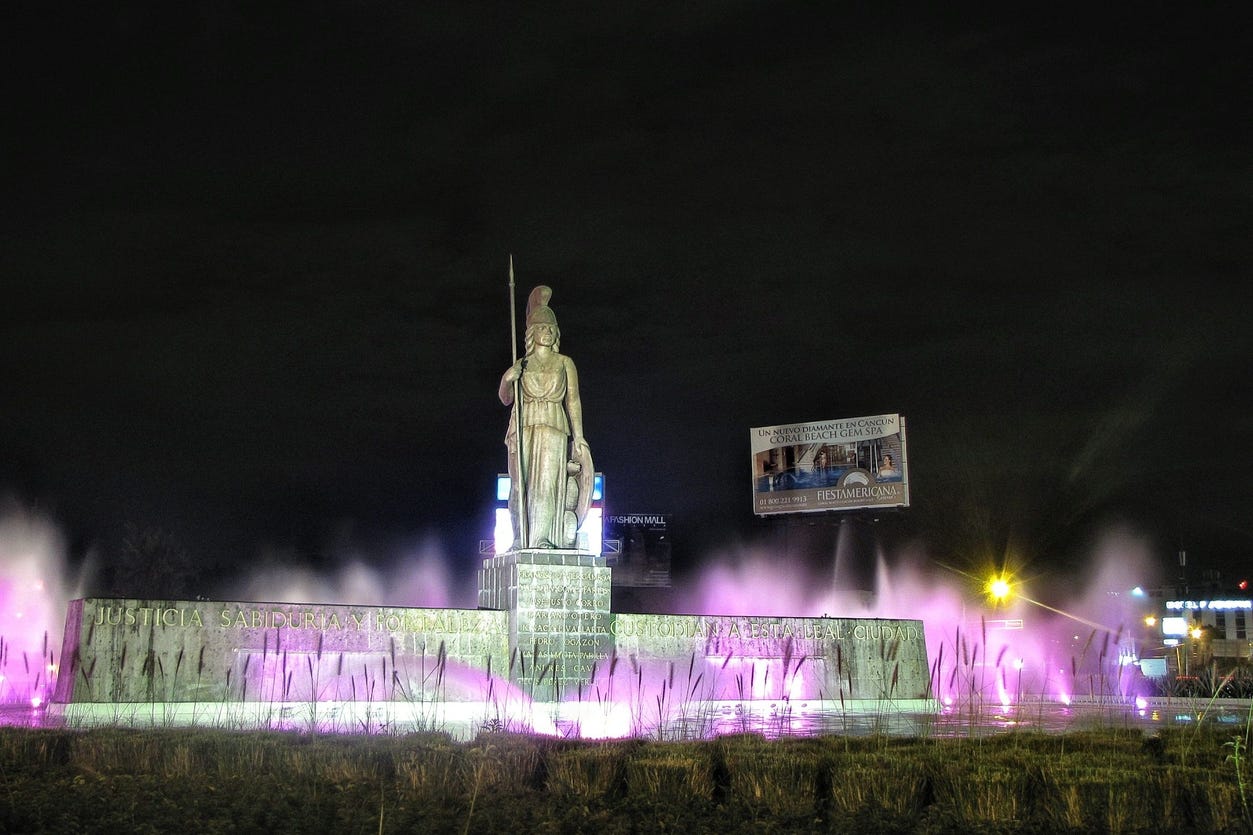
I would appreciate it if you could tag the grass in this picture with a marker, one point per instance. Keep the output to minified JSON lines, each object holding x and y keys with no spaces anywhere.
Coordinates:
{"x":1190,"y":778}
{"x":216,"y":781}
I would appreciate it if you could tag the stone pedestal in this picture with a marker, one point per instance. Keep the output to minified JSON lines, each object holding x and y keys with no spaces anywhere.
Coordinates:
{"x":558,"y":605}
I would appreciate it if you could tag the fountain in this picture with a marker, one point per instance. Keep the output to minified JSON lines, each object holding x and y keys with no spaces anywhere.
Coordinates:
{"x":1052,"y":672}
{"x":31,"y":604}
{"x":541,"y":650}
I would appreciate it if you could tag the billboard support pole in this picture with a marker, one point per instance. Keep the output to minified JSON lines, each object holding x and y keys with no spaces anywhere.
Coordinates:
{"x":904,"y":460}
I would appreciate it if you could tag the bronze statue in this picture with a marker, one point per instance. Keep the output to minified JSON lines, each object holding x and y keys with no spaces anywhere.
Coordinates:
{"x":550,"y":471}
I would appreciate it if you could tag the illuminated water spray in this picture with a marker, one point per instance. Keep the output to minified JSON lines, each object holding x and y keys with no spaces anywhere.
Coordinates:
{"x":991,"y":640}
{"x":32,"y":606}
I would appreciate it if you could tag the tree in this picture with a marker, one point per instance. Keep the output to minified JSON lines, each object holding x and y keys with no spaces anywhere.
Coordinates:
{"x":152,"y":564}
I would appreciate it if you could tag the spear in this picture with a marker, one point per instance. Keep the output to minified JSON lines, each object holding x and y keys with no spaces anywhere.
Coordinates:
{"x":517,"y":413}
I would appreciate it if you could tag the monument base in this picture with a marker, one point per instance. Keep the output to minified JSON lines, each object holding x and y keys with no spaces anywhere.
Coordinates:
{"x":558,"y":604}
{"x":463,"y":721}
{"x":556,"y":660}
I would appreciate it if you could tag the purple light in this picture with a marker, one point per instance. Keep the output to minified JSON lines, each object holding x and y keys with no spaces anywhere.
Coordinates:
{"x":32,"y":606}
{"x":976,"y":653}
{"x":995,"y":655}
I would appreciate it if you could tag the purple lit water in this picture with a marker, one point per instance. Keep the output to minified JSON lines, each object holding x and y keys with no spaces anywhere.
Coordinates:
{"x":33,"y":595}
{"x":1025,"y":664}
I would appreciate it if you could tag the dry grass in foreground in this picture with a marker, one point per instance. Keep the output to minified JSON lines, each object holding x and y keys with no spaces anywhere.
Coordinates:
{"x":1184,"y":780}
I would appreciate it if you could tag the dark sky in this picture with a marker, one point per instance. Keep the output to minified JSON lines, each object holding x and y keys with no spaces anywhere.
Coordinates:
{"x":254,"y":264}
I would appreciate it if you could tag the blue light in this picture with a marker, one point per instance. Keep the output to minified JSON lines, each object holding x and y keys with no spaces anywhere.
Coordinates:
{"x":502,"y":488}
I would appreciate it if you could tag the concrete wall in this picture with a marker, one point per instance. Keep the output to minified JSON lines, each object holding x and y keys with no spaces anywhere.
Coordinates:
{"x":126,"y":651}
{"x":201,"y":651}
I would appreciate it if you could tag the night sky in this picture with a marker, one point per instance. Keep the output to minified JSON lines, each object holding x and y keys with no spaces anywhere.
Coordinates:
{"x":254,"y":263}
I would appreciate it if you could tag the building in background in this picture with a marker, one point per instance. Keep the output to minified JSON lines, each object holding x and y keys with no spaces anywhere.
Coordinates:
{"x":1196,"y":626}
{"x":637,"y":547}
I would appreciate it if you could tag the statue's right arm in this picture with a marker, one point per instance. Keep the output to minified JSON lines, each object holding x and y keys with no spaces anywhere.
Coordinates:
{"x":507,"y":381}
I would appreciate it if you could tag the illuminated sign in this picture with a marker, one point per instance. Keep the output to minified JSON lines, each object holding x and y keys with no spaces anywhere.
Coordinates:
{"x":643,"y":554}
{"x":846,"y":464}
{"x":1174,"y":626}
{"x":1213,"y":605}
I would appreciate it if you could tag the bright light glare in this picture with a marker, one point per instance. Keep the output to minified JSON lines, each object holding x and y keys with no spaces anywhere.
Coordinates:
{"x":1174,"y":626}
{"x":998,"y":588}
{"x":502,"y":532}
{"x":590,"y":535}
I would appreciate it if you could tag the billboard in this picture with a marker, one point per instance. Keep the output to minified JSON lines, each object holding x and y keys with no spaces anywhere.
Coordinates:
{"x":848,"y":464}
